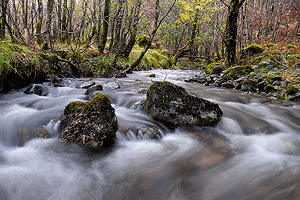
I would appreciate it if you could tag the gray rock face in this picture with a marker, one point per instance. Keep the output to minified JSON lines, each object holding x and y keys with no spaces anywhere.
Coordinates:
{"x":172,"y":105}
{"x":89,"y":124}
{"x":218,"y":69}
{"x":38,"y":89}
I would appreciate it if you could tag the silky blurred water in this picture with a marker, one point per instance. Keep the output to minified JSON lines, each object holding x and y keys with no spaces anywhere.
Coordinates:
{"x":252,"y":153}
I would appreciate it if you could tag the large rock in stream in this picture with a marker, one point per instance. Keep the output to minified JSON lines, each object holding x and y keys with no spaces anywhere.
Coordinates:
{"x":172,"y":105}
{"x":89,"y":124}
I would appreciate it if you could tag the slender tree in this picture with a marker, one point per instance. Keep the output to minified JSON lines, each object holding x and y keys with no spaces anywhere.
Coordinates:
{"x":104,"y":32}
{"x":47,"y":42}
{"x":230,"y":39}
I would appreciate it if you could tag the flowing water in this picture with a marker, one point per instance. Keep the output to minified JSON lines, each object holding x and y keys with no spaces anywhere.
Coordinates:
{"x":253,"y":152}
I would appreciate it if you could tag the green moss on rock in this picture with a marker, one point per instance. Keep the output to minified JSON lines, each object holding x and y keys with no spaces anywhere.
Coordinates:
{"x":89,"y":124}
{"x":253,"y":49}
{"x":72,"y":107}
{"x":210,"y":67}
{"x":239,"y":70}
{"x":269,"y":88}
{"x":100,"y":100}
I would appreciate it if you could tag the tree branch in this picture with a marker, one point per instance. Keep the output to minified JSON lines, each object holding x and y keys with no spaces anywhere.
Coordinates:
{"x":224,"y":3}
{"x":240,"y":4}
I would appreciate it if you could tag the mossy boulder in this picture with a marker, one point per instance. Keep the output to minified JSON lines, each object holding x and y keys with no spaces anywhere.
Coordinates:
{"x":90,"y":124}
{"x":269,"y":88}
{"x":238,"y":71}
{"x":209,"y":69}
{"x":253,"y":49}
{"x":172,"y":105}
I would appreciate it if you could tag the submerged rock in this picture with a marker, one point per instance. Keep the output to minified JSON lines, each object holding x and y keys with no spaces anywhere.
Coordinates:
{"x":89,"y":124}
{"x":171,"y":104}
{"x":93,"y":88}
{"x":38,"y":89}
{"x":143,"y":130}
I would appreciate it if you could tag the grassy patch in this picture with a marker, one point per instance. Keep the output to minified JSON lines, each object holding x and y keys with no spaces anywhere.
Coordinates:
{"x":18,"y":59}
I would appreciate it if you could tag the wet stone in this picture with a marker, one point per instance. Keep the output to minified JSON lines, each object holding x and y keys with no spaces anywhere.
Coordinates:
{"x":38,"y":89}
{"x":90,"y":124}
{"x":217,"y":69}
{"x":142,"y":91}
{"x":93,"y":89}
{"x":196,"y":79}
{"x":241,"y":79}
{"x":87,"y":85}
{"x":292,"y":90}
{"x":172,"y":105}
{"x":227,"y":85}
{"x":112,"y":85}
{"x":143,"y":130}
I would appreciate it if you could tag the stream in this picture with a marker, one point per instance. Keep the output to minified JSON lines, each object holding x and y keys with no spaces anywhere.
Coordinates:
{"x":252,"y":153}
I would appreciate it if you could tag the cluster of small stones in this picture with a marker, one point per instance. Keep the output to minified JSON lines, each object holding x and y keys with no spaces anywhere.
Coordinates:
{"x":270,"y":85}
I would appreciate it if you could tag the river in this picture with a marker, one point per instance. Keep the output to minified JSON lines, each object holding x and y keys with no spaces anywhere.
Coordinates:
{"x":252,"y":153}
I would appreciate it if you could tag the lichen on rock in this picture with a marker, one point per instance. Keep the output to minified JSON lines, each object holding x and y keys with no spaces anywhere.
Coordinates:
{"x":172,"y":105}
{"x":90,"y":124}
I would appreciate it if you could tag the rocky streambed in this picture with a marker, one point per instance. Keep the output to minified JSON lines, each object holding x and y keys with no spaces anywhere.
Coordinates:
{"x":229,"y":160}
{"x":265,"y":79}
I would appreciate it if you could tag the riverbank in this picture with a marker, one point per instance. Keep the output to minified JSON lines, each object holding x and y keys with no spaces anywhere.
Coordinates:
{"x":269,"y":70}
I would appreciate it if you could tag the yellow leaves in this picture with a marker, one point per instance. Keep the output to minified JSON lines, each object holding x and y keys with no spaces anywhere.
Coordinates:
{"x":202,"y":8}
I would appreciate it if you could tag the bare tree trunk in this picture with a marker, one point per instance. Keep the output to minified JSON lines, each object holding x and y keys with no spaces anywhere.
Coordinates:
{"x":118,"y":19}
{"x":269,"y":26}
{"x":278,"y":22}
{"x":132,"y":39}
{"x":3,"y":19}
{"x":250,"y":32}
{"x":64,"y":21}
{"x":260,"y":29}
{"x":47,"y":42}
{"x":244,"y":26}
{"x":39,"y":22}
{"x":231,"y":31}
{"x":104,"y":33}
{"x":296,"y":31}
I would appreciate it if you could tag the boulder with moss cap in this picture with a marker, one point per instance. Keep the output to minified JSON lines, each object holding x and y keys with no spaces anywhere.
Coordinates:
{"x":172,"y":105}
{"x":90,"y":124}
